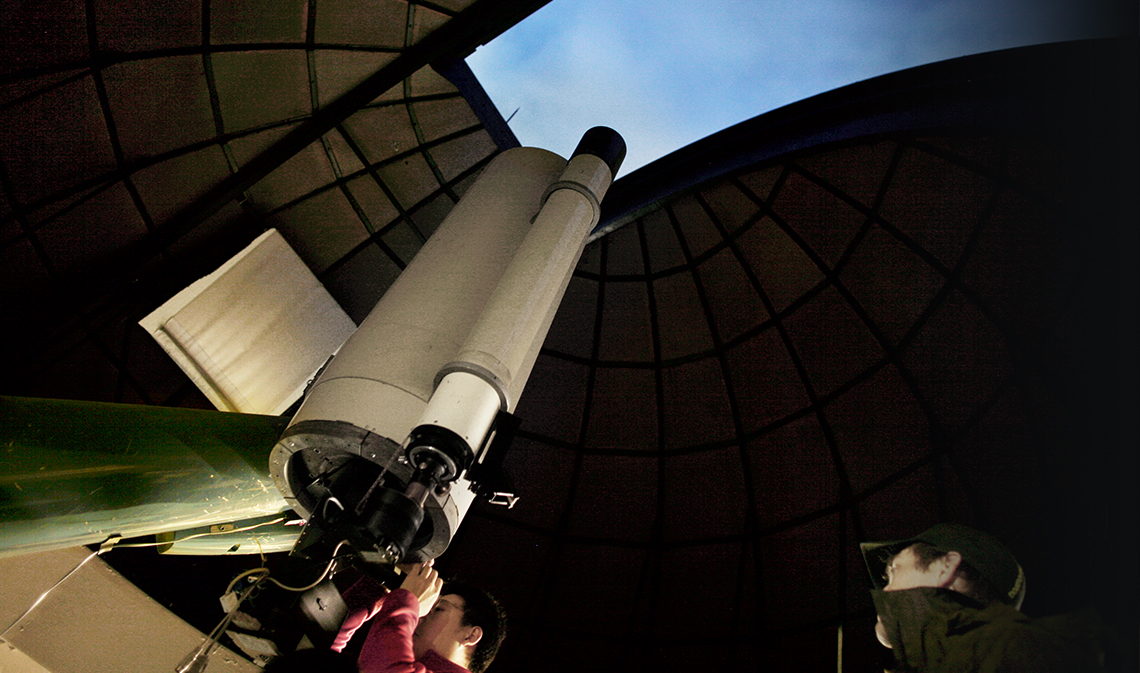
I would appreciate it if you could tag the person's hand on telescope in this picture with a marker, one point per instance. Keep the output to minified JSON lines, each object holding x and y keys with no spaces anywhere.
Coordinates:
{"x":424,"y":583}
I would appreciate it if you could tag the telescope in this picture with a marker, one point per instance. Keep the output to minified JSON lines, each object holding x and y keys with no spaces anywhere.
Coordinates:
{"x":409,"y":421}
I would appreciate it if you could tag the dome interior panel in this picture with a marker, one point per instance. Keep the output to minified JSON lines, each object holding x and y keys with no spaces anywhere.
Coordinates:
{"x":857,"y":171}
{"x":452,"y":6}
{"x":591,"y":260}
{"x":609,"y":484}
{"x":377,"y":23}
{"x":784,"y":271}
{"x":32,"y":85}
{"x":733,"y":301}
{"x":228,"y":224}
{"x":439,"y":118}
{"x":892,"y":284}
{"x":139,"y":25}
{"x":711,"y":592}
{"x":758,"y":184}
{"x":357,"y":281}
{"x":92,"y":236}
{"x":590,"y":578}
{"x":554,"y":400}
{"x":29,"y":219}
{"x":539,"y":470}
{"x":427,"y":216}
{"x":881,"y":515}
{"x":26,"y":294}
{"x":960,"y":361}
{"x":428,"y":82}
{"x":75,"y":368}
{"x":572,"y":332}
{"x":698,"y":233}
{"x":38,"y":39}
{"x":661,"y":244}
{"x":985,"y":155}
{"x":1036,"y":169}
{"x":10,"y":228}
{"x":322,"y":229}
{"x":697,"y":410}
{"x":793,"y":484}
{"x":55,"y":140}
{"x":626,"y":333}
{"x":936,"y":204}
{"x":246,"y":147}
{"x":704,"y":490}
{"x":681,"y":323}
{"x":456,"y":156}
{"x":831,"y":341}
{"x":799,"y":566}
{"x":856,"y":580}
{"x":410,"y":179}
{"x":730,"y":207}
{"x":168,"y":187}
{"x":305,"y":173}
{"x":623,"y":410}
{"x":518,"y":566}
{"x":338,"y":71}
{"x":256,"y":88}
{"x":426,"y":20}
{"x":381,"y":213}
{"x":402,"y":241}
{"x":259,"y":21}
{"x":342,"y":152}
{"x":1007,"y":481}
{"x":158,"y":378}
{"x":815,"y":647}
{"x":159,"y":105}
{"x":879,"y":428}
{"x":765,"y":382}
{"x":817,"y":218}
{"x":624,"y":254}
{"x":1015,"y":264}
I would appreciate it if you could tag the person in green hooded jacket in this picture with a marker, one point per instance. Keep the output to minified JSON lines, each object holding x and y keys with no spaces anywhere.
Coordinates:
{"x":948,"y":601}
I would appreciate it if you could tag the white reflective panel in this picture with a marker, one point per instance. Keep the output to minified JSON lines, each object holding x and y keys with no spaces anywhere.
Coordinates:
{"x":252,"y":334}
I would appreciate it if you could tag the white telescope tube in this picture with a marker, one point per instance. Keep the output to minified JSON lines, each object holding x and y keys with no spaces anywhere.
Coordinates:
{"x":505,"y":341}
{"x":451,"y":344}
{"x":371,"y":395}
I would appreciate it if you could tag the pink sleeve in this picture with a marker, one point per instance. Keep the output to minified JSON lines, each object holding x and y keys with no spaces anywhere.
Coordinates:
{"x":364,"y":599}
{"x":388,"y":648}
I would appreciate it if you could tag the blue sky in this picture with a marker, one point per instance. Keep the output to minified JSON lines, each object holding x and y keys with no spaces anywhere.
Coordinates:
{"x":666,"y":74}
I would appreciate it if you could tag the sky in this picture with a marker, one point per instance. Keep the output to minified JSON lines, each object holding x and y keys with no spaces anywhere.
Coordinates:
{"x":665,"y":75}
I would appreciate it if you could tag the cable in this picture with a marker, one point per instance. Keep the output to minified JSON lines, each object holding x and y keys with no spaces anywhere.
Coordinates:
{"x":50,"y":589}
{"x":286,"y":587}
{"x":320,"y":579}
{"x":195,"y":662}
{"x":198,"y":535}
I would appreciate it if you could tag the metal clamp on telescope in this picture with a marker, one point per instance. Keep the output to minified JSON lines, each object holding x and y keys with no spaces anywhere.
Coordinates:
{"x":382,"y":516}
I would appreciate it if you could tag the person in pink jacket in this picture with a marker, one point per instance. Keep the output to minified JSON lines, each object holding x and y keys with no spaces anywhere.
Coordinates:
{"x":415,"y":629}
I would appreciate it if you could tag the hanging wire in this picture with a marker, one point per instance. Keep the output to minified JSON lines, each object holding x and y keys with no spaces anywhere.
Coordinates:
{"x":198,"y":535}
{"x":51,"y":589}
{"x":196,"y":661}
{"x":113,"y":543}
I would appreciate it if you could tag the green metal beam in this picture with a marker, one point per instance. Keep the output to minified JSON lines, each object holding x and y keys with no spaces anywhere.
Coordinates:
{"x":75,"y":473}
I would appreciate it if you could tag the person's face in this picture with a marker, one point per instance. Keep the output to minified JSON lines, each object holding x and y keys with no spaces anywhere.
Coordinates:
{"x":903,"y":572}
{"x":442,"y":628}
